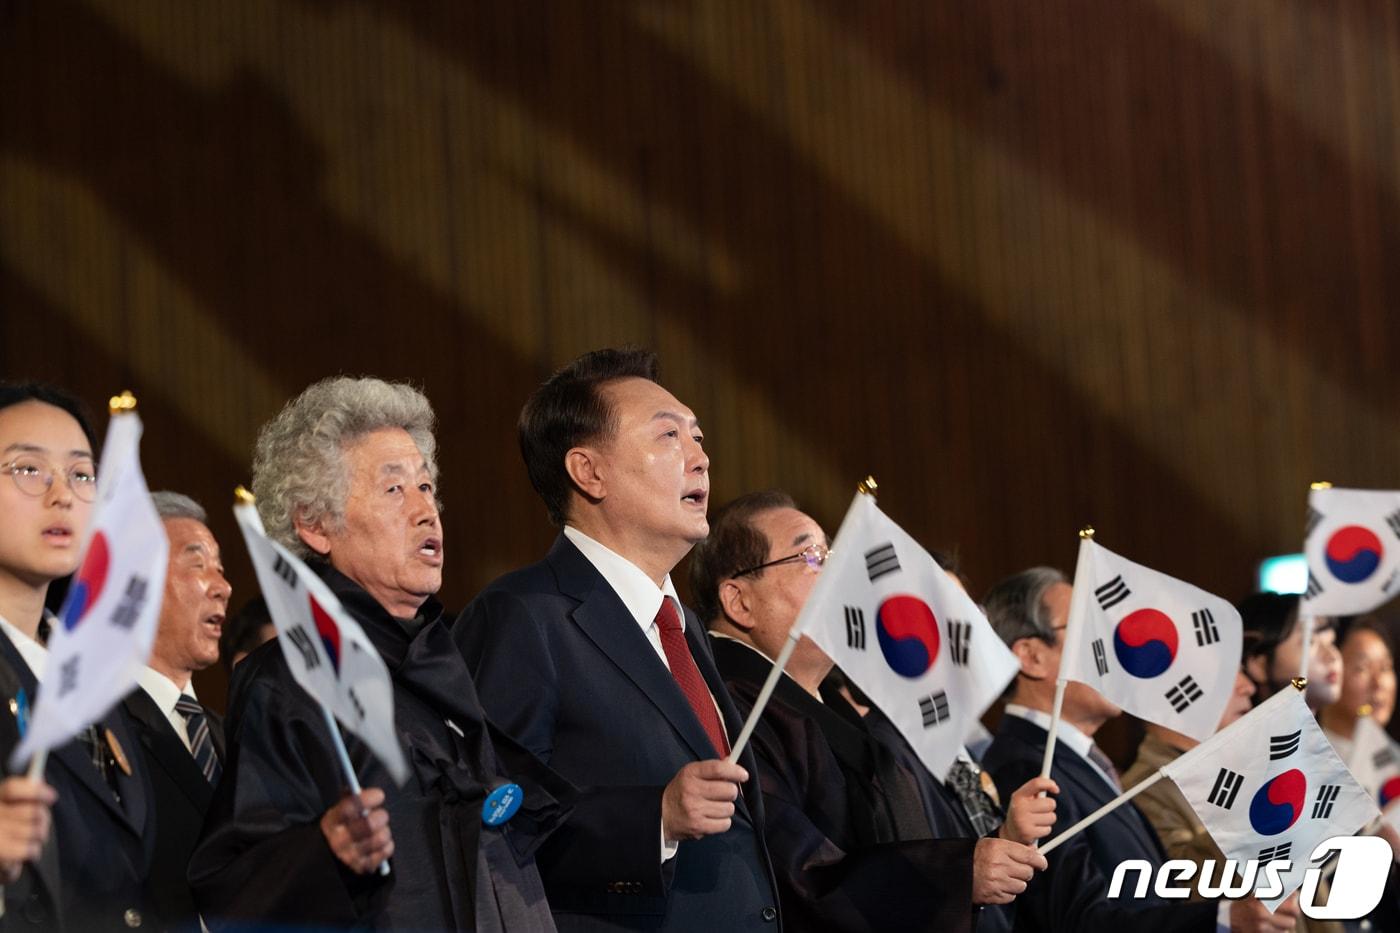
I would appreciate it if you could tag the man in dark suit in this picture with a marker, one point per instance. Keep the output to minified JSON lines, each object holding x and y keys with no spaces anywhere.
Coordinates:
{"x":183,"y":741}
{"x":852,"y":844}
{"x":1029,"y":611}
{"x":589,"y":660}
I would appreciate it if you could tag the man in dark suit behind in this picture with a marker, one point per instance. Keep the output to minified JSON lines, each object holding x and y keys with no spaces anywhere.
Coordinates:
{"x":183,"y":741}
{"x":1029,"y":611}
{"x":589,"y":660}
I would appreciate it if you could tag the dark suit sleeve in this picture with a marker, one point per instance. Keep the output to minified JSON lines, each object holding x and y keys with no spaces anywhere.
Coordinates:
{"x":262,"y":856}
{"x":614,"y":831}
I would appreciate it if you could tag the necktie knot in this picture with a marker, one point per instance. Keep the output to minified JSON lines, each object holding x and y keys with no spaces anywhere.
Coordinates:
{"x":188,"y":706}
{"x":201,"y":741}
{"x":667,"y":618}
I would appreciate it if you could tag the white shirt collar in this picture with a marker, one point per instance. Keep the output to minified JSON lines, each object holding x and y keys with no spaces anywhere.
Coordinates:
{"x":638,"y":593}
{"x":33,"y":653}
{"x":1068,"y":734}
{"x":162,"y":689}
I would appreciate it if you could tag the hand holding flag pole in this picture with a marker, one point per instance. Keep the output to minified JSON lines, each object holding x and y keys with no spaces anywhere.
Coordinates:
{"x":866,"y":487}
{"x":1078,"y":604}
{"x":244,"y":507}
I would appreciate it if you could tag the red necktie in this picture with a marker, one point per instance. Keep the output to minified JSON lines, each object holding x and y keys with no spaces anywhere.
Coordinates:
{"x":668,"y":622}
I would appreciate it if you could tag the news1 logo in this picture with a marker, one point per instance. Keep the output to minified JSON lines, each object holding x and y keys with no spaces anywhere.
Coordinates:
{"x":1363,"y":864}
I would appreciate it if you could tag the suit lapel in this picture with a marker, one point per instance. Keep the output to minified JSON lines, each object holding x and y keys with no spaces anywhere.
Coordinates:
{"x":166,"y":751}
{"x":604,"y":618}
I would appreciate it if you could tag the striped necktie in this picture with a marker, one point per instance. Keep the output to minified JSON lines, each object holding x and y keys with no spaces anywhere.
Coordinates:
{"x":201,"y":742}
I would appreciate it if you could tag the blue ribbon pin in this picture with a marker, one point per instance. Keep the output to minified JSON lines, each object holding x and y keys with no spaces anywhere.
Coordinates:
{"x":501,"y":804}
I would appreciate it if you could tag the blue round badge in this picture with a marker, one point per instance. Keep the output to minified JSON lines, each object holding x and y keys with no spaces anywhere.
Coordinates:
{"x":501,"y":804}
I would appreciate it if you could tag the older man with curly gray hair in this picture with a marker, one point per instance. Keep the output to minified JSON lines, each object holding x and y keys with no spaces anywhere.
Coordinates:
{"x":346,"y":477}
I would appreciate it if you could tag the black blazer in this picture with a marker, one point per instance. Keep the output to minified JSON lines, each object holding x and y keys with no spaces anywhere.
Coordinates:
{"x":106,"y":845}
{"x":561,"y":665}
{"x":182,"y":798}
{"x":31,"y":901}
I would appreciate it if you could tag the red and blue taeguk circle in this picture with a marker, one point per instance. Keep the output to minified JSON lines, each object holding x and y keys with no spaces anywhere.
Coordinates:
{"x":88,"y":584}
{"x":1145,"y":642}
{"x":908,"y":634}
{"x":329,"y":632}
{"x":1353,"y":553}
{"x":1278,"y":803}
{"x":1389,"y":790}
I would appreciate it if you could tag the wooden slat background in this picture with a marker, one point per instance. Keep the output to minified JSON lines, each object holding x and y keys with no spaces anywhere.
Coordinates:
{"x":1032,"y":264}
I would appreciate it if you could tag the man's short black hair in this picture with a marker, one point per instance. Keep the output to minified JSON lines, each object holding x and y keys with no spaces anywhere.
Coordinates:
{"x":569,"y":410}
{"x":243,"y":631}
{"x":734,"y":544}
{"x":17,"y":393}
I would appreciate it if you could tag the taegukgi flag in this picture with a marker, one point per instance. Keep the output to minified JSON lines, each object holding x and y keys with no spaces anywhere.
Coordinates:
{"x":108,"y":621}
{"x":1161,"y":649}
{"x":328,"y":653}
{"x":1375,"y":763}
{"x":905,"y":632}
{"x":1352,"y":546}
{"x":1270,"y":787}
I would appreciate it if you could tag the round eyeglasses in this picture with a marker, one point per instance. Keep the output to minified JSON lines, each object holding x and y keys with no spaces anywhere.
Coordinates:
{"x":34,"y":477}
{"x":813,"y":555}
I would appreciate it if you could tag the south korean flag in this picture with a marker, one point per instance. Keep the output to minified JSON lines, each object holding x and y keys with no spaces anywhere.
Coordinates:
{"x":1161,"y":649}
{"x":1375,"y":762}
{"x":1269,"y":787}
{"x":1352,"y":545}
{"x":907,"y":634}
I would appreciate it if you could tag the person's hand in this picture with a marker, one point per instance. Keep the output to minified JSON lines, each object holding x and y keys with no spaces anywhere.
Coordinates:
{"x":1031,"y":813}
{"x":1251,"y":916}
{"x":357,"y":830}
{"x":24,"y":823}
{"x":699,"y":801}
{"x":1001,"y":869}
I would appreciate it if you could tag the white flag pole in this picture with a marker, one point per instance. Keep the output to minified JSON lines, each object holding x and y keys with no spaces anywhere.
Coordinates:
{"x":1102,"y":811}
{"x":242,"y":496}
{"x":1073,"y":626}
{"x":1305,"y":618}
{"x":866,"y":487}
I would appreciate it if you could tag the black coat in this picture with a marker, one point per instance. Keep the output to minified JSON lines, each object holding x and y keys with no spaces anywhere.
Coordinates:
{"x":851,"y":845}
{"x":182,"y":797}
{"x":104,"y":845}
{"x":263,"y":857}
{"x":31,"y":901}
{"x":563,"y":667}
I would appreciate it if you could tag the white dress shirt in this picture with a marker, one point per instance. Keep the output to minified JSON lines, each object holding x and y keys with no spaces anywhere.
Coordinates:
{"x":166,"y":694}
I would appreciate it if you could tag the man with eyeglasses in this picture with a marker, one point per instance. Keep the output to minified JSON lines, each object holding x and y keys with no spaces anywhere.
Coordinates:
{"x":847,"y":827}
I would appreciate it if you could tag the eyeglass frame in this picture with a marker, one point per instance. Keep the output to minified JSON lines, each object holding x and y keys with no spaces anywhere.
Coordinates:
{"x":51,"y":472}
{"x":801,"y":555}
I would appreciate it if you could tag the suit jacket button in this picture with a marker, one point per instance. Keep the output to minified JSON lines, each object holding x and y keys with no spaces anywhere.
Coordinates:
{"x":769,"y":914}
{"x":132,"y":917}
{"x":636,"y":887}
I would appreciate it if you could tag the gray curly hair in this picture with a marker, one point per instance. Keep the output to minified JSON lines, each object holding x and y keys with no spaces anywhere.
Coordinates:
{"x":299,"y":469}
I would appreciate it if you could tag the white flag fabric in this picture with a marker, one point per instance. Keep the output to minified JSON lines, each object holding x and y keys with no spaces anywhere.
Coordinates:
{"x":1161,"y":649}
{"x":1375,"y":763}
{"x":108,"y":621}
{"x":328,"y":653}
{"x":1270,"y":787}
{"x":904,"y":632}
{"x":1352,"y":545}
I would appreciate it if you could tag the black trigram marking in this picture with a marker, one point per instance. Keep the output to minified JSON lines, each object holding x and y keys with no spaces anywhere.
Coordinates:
{"x":1314,"y":516}
{"x":1100,"y":658}
{"x":1278,"y":853}
{"x":855,"y":628}
{"x":1393,"y":520}
{"x":1226,"y":788}
{"x":355,"y":702}
{"x":1314,"y":588}
{"x":1281,"y":746}
{"x":68,"y":676}
{"x":1184,"y":693}
{"x":1206,"y":632}
{"x":1326,"y":797}
{"x":1112,"y":593}
{"x":1383,"y":758}
{"x":302,"y":641}
{"x":959,"y":641}
{"x":124,"y":616}
{"x":934,"y":708}
{"x":880,"y":561}
{"x":285,"y":571}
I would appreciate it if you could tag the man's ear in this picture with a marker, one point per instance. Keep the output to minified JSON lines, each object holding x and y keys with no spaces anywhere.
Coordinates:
{"x":734,"y":601}
{"x":313,"y":535}
{"x":585,"y":468}
{"x":1033,"y":655}
{"x":1256,"y":668}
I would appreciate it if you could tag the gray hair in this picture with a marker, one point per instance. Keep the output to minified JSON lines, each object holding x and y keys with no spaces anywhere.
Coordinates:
{"x":178,"y":505}
{"x":299,"y":469}
{"x":1016,"y":606}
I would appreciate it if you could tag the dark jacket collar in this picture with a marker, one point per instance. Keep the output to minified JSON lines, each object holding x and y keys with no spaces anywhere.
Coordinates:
{"x":388,"y":634}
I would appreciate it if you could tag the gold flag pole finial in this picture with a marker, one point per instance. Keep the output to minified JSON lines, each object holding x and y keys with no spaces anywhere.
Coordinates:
{"x":867,"y":486}
{"x":1364,"y":710}
{"x":1299,"y":683}
{"x":1087,"y":532}
{"x":242,"y":496}
{"x":118,"y":404}
{"x":1320,"y":485}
